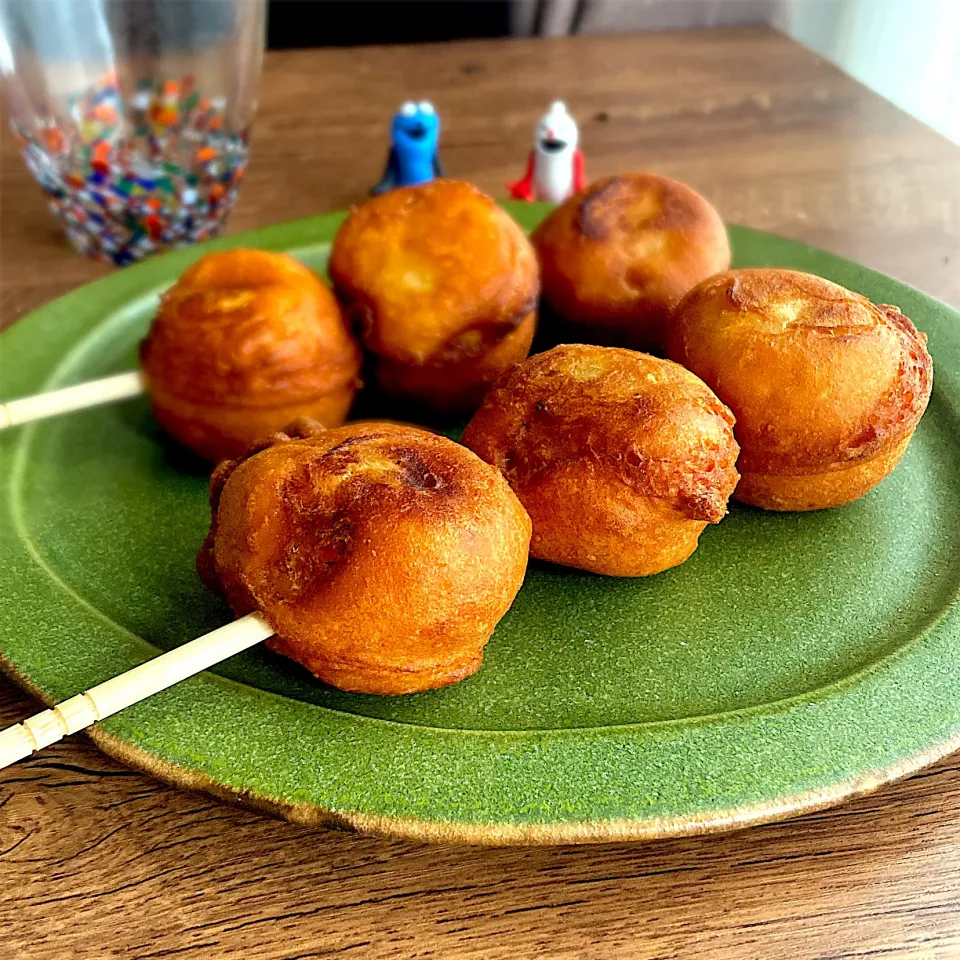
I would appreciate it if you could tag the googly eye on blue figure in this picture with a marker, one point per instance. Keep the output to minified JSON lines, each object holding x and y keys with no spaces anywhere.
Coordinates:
{"x":414,"y":141}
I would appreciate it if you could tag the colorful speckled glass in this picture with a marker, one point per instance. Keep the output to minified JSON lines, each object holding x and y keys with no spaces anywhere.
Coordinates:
{"x":796,"y":659}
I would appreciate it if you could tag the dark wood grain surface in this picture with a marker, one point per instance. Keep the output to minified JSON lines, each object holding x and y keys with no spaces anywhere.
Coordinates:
{"x":97,"y":861}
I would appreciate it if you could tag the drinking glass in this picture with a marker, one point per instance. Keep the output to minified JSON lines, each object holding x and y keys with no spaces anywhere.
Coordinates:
{"x":133,"y":115}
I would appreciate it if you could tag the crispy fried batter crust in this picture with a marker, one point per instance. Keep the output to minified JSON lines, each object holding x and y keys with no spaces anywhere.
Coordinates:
{"x":821,"y":380}
{"x":244,"y":342}
{"x":621,"y":459}
{"x":382,"y":555}
{"x":460,"y":385}
{"x":617,"y":257}
{"x":436,"y":276}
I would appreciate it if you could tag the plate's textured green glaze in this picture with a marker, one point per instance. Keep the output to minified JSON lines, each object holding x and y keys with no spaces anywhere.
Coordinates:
{"x":794,"y":660}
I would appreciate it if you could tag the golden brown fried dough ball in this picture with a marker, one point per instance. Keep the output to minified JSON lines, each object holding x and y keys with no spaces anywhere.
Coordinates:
{"x":243,"y":343}
{"x":617,"y":257}
{"x":827,"y":388}
{"x":621,"y":459}
{"x":382,"y":555}
{"x":442,"y":284}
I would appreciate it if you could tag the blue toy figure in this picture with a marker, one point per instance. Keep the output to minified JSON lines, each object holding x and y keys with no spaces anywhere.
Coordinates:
{"x":415,"y":134}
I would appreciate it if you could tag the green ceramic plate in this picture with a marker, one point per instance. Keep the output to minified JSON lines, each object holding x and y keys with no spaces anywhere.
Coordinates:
{"x":796,"y":659}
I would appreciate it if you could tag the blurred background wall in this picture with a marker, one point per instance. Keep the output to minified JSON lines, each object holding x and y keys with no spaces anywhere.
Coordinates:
{"x":905,"y":50}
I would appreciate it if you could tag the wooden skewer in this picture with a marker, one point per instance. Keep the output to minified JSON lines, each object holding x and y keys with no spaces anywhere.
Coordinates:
{"x":83,"y":395}
{"x":106,"y":698}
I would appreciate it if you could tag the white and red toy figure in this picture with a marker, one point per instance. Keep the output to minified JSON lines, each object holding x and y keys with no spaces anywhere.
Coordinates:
{"x":555,"y":168}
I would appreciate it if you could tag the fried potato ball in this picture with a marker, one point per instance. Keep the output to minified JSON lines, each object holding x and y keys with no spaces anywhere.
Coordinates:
{"x":243,"y":343}
{"x":617,"y":257}
{"x":827,"y":388}
{"x":383,"y":556}
{"x":442,"y":285}
{"x":621,"y":459}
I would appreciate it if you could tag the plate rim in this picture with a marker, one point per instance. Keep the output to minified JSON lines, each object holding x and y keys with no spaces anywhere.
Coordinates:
{"x":499,"y":834}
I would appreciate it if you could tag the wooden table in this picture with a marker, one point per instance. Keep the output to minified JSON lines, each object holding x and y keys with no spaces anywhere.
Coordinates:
{"x":99,"y":861}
